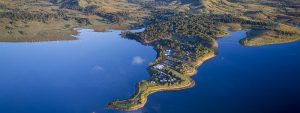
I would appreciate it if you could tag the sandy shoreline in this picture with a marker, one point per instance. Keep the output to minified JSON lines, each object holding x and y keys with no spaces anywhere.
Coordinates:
{"x":141,"y":96}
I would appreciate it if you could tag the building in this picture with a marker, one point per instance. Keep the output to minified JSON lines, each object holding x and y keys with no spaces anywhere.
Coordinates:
{"x":159,"y":66}
{"x":168,"y":52}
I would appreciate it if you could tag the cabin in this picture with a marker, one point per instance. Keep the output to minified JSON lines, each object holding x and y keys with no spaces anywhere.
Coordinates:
{"x":159,"y":66}
{"x":168,"y":52}
{"x":153,"y":82}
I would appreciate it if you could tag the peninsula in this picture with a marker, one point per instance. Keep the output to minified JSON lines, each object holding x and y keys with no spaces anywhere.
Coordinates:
{"x":183,"y":32}
{"x":183,"y":42}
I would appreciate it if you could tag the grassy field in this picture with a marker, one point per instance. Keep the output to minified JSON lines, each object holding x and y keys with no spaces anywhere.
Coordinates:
{"x":16,"y":31}
{"x":276,"y":35}
{"x":284,"y":13}
{"x":280,"y":11}
{"x":102,"y":15}
{"x":129,"y":13}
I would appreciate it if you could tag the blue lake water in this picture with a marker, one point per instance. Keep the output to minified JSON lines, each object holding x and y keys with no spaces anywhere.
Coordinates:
{"x":79,"y":76}
{"x":240,"y":80}
{"x":82,"y":76}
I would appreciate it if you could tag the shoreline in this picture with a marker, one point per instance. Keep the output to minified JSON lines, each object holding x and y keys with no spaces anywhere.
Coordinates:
{"x":266,"y":44}
{"x":139,"y":99}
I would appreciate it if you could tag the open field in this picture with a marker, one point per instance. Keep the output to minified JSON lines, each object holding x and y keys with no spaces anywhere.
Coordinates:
{"x":275,"y":35}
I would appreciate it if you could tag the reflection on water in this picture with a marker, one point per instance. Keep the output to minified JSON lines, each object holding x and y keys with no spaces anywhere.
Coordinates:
{"x":78,"y":76}
{"x":82,"y":76}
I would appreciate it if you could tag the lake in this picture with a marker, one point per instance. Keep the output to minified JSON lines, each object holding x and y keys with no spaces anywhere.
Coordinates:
{"x":83,"y":75}
{"x":239,"y":79}
{"x":79,"y":76}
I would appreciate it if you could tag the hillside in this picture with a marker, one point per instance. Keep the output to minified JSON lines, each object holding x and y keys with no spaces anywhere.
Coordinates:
{"x":183,"y":32}
{"x":285,"y":11}
{"x":191,"y":39}
{"x":27,"y":19}
{"x":44,"y":20}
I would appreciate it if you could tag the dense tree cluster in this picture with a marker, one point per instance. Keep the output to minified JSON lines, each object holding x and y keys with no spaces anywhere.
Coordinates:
{"x":82,"y":21}
{"x":2,"y":6}
{"x":68,"y":4}
{"x":180,"y":25}
{"x":228,"y":18}
{"x":41,"y":16}
{"x":90,"y":10}
{"x":23,"y":15}
{"x":113,"y":17}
